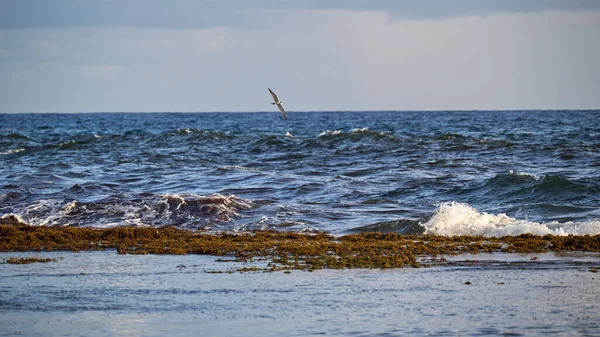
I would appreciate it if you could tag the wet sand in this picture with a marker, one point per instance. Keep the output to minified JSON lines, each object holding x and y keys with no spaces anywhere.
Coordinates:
{"x":101,"y":293}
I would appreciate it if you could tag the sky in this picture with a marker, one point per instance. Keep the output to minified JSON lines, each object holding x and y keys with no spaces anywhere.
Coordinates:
{"x":317,"y":55}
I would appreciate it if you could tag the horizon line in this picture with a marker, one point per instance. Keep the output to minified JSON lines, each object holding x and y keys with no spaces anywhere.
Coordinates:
{"x":301,"y":111}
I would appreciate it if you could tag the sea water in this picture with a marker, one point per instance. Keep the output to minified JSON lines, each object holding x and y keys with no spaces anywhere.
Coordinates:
{"x":490,"y":173}
{"x":105,"y":294}
{"x":432,"y":172}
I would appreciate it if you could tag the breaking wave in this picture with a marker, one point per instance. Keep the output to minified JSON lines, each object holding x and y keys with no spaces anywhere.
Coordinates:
{"x":11,"y":151}
{"x":183,"y":210}
{"x":455,"y":219}
{"x":198,"y":134}
{"x":337,"y":172}
{"x":355,"y":134}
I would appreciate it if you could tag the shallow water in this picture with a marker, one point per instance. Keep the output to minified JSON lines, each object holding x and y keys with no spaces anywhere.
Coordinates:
{"x":105,"y":294}
{"x":449,"y":173}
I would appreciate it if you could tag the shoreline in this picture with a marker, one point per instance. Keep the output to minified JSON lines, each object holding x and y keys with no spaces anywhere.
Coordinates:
{"x":284,"y":250}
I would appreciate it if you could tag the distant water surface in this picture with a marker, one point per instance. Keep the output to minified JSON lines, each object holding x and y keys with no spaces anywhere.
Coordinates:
{"x":443,"y":172}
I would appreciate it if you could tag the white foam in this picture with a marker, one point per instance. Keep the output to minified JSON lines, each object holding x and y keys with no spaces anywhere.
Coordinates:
{"x":224,"y":207}
{"x":523,"y":174}
{"x":173,"y":201}
{"x":236,"y":167}
{"x":13,"y":151}
{"x":44,"y":212}
{"x":454,"y":219}
{"x":279,"y":221}
{"x":360,"y":130}
{"x":159,"y":209}
{"x":13,"y":217}
{"x":330,"y":133}
{"x":64,"y":145}
{"x":70,"y":207}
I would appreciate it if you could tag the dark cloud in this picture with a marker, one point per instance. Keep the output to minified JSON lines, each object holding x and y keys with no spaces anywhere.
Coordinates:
{"x":208,"y":13}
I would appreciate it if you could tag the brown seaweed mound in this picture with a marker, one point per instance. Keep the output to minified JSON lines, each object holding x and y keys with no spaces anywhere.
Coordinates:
{"x":28,"y":260}
{"x":283,"y":250}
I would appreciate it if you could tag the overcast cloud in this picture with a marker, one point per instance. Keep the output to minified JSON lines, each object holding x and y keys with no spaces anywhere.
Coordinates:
{"x":186,"y":55}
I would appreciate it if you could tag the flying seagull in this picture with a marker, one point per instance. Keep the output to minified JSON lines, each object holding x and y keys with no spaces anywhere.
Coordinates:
{"x":278,"y":103}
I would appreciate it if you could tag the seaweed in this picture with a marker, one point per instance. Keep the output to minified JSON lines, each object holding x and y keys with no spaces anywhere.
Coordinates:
{"x":28,"y":260}
{"x":284,"y":250}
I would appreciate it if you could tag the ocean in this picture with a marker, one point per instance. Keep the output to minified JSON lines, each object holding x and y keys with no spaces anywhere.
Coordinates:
{"x":490,"y":173}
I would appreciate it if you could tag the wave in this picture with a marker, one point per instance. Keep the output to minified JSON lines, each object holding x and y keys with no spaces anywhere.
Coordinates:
{"x":79,"y":140}
{"x":10,"y":196}
{"x":509,"y":180}
{"x":11,"y":151}
{"x":547,"y":188}
{"x":12,"y":219}
{"x":356,"y":134}
{"x":272,"y":142}
{"x":236,"y":168}
{"x":14,"y":135}
{"x":455,"y":219}
{"x":403,"y":226}
{"x":555,"y":182}
{"x":450,"y":136}
{"x":460,"y":141}
{"x":361,"y":139}
{"x":328,"y":133}
{"x":197,"y":134}
{"x":190,"y":211}
{"x":278,"y":222}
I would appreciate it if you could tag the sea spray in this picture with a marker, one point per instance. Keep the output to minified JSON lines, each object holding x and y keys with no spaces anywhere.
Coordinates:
{"x":454,"y":219}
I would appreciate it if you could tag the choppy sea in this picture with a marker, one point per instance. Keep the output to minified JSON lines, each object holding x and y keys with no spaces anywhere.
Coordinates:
{"x":434,"y":172}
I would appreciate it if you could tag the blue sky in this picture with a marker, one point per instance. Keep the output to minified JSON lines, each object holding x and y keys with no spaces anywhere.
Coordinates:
{"x":220,"y":55}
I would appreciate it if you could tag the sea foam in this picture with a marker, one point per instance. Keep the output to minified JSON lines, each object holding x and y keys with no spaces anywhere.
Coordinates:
{"x":13,"y":151}
{"x":185,"y":210}
{"x":455,"y":219}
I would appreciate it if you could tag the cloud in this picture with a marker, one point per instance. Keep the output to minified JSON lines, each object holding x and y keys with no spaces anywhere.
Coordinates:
{"x":190,"y":14}
{"x":315,"y":60}
{"x":100,"y":72}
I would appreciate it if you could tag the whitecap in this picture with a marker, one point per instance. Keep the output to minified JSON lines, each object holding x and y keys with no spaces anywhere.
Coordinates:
{"x":13,"y":218}
{"x":455,"y":219}
{"x":330,"y":133}
{"x":152,"y":210}
{"x":236,"y":167}
{"x":523,"y":174}
{"x":67,"y":145}
{"x":13,"y":151}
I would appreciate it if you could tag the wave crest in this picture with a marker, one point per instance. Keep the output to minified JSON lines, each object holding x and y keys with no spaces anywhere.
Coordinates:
{"x":547,"y":188}
{"x":198,"y":134}
{"x":356,"y":134}
{"x":184,"y":210}
{"x":455,"y":219}
{"x":14,"y":135}
{"x":11,"y":151}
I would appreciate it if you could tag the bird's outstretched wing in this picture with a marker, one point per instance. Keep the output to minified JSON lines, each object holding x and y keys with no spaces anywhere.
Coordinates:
{"x":282,"y":110}
{"x":274,"y":96}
